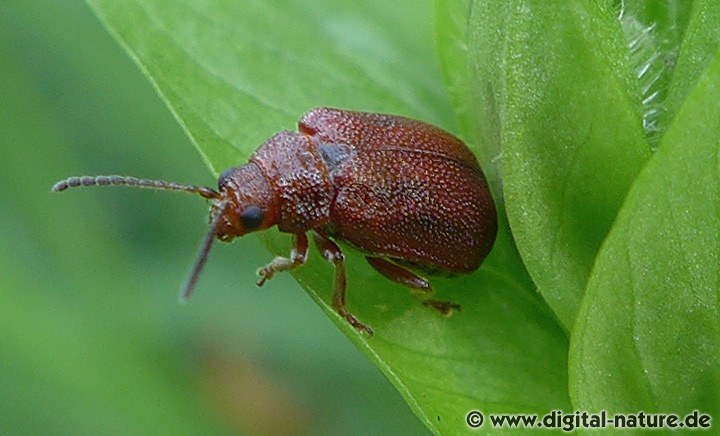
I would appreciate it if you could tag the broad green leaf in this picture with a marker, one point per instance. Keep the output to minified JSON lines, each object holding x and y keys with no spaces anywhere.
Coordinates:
{"x":451,"y":40}
{"x":234,"y":73}
{"x":701,"y":39}
{"x":648,"y":335}
{"x":555,"y":94}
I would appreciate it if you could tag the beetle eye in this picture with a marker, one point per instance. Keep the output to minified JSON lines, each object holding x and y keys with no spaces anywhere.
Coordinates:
{"x":252,"y":217}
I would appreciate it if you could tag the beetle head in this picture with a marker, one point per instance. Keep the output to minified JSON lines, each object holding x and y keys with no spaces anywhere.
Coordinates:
{"x":245,"y":203}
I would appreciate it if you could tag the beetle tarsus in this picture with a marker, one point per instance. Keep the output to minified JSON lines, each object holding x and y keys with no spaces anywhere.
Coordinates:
{"x":353,"y":321}
{"x":267,"y":272}
{"x":298,"y":255}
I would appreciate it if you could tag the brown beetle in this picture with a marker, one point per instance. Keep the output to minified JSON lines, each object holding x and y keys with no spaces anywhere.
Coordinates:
{"x":409,"y":195}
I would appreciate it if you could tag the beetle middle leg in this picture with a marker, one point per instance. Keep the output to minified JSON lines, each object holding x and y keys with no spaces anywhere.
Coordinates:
{"x":421,"y":286}
{"x":332,"y":253}
{"x":298,"y":256}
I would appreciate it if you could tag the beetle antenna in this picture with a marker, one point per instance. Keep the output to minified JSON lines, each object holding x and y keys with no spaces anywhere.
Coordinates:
{"x":74,"y":182}
{"x":203,"y":253}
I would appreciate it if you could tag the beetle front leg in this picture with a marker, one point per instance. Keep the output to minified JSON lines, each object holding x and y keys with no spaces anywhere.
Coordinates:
{"x":413,"y":281}
{"x":332,"y":253}
{"x":298,"y":256}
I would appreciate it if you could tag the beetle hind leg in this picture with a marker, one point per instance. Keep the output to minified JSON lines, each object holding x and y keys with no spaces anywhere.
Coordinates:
{"x":298,"y":255}
{"x":332,"y":253}
{"x":417,"y":284}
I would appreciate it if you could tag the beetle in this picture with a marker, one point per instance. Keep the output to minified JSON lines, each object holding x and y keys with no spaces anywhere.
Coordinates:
{"x":408,"y":195}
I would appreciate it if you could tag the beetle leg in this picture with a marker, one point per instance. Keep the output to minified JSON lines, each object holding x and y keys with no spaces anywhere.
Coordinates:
{"x":400,"y":275}
{"x":298,"y":255}
{"x":416,"y":283}
{"x":332,"y":253}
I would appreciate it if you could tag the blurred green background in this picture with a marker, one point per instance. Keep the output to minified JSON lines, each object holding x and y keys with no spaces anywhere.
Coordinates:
{"x":92,"y":339}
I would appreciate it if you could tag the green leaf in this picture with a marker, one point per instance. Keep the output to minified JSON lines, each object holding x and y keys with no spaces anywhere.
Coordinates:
{"x":648,"y":335}
{"x":235,"y":73}
{"x":556,"y":96}
{"x":451,"y":40}
{"x":701,"y":39}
